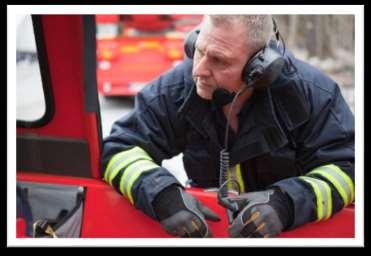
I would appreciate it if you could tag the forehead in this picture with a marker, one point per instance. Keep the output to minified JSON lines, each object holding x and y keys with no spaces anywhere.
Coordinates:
{"x":226,"y":40}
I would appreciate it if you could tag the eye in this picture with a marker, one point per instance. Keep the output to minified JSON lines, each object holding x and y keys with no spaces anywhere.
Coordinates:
{"x":219,"y":61}
{"x":216,"y":60}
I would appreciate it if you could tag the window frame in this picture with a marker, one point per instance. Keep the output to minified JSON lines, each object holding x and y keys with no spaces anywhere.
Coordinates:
{"x":45,"y":77}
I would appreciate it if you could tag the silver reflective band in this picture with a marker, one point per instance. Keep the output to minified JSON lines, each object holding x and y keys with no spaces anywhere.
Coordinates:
{"x":122,"y":160}
{"x":343,"y":184}
{"x":132,"y":173}
{"x":323,"y":197}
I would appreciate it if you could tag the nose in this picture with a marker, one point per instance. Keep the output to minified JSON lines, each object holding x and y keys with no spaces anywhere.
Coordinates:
{"x":200,"y":68}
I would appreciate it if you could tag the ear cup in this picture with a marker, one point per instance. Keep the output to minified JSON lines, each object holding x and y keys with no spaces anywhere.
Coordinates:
{"x":263,"y":68}
{"x":190,"y":42}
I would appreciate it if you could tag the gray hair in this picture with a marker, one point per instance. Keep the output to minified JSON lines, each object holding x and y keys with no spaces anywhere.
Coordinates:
{"x":259,"y":27}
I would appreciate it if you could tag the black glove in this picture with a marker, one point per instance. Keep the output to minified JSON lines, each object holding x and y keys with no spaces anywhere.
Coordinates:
{"x":181,"y":214}
{"x":263,"y":214}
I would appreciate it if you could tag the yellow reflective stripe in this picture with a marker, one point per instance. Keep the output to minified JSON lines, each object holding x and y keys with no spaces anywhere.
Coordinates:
{"x":335,"y":182}
{"x":235,"y":173}
{"x":126,"y":163}
{"x":343,"y":184}
{"x":134,"y":166}
{"x":329,"y":200}
{"x":239,"y":178}
{"x":137,"y":166}
{"x":318,"y":196}
{"x":118,"y":158}
{"x":134,"y":177}
{"x":323,"y":197}
{"x":347,"y":179}
{"x":115,"y":159}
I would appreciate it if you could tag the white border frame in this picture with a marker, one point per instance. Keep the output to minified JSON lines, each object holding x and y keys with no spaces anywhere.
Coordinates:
{"x":357,"y":10}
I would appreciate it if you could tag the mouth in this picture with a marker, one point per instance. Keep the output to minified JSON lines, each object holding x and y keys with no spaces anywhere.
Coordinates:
{"x":205,"y":86}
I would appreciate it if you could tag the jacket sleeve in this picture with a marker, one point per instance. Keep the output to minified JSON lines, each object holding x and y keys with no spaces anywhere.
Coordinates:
{"x":133,"y":152}
{"x":325,"y":156}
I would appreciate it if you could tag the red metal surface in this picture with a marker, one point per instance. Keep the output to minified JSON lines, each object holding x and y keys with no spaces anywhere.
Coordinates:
{"x":21,"y":228}
{"x":108,"y":214}
{"x":64,"y":44}
{"x":93,"y":138}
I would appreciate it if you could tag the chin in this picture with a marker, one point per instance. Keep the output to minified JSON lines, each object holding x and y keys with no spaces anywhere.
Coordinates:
{"x":203,"y":94}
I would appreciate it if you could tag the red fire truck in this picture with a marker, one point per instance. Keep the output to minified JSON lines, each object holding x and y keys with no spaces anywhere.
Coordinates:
{"x":134,"y":49}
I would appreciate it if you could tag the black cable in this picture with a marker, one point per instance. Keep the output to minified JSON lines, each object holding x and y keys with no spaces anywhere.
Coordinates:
{"x":224,"y":167}
{"x":229,"y":116}
{"x":224,"y":153}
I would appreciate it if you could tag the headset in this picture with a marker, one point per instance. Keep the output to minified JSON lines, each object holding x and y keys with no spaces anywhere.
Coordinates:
{"x":259,"y":72}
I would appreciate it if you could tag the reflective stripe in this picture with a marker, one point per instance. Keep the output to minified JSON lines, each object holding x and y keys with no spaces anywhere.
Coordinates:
{"x":115,"y":160}
{"x":121,"y":160}
{"x":125,"y":163}
{"x":341,"y":181}
{"x":239,"y":178}
{"x":134,"y":177}
{"x":132,"y":173}
{"x":323,"y":197}
{"x":235,"y":172}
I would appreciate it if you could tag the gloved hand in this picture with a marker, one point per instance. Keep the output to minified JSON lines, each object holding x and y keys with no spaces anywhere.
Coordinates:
{"x":181,"y":214}
{"x":262,"y":214}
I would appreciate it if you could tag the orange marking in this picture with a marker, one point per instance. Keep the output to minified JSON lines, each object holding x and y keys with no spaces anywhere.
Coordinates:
{"x":129,"y":49}
{"x":260,"y":226}
{"x":195,"y":225}
{"x":253,"y":217}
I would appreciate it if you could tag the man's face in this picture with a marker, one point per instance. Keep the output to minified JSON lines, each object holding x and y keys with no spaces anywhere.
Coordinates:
{"x":220,"y":55}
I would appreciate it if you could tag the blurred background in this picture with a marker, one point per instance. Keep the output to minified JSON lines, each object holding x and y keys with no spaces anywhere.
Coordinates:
{"x":135,"y":49}
{"x":326,"y":42}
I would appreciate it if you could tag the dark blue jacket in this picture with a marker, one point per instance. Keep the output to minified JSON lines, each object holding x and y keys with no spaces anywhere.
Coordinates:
{"x":299,"y":123}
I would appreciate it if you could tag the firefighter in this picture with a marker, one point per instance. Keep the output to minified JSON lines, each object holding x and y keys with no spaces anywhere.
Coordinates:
{"x":291,"y":144}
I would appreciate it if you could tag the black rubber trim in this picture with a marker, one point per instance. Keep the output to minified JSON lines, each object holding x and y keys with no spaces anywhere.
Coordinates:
{"x":90,"y":71}
{"x":90,"y":64}
{"x":58,"y":156}
{"x":45,"y":77}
